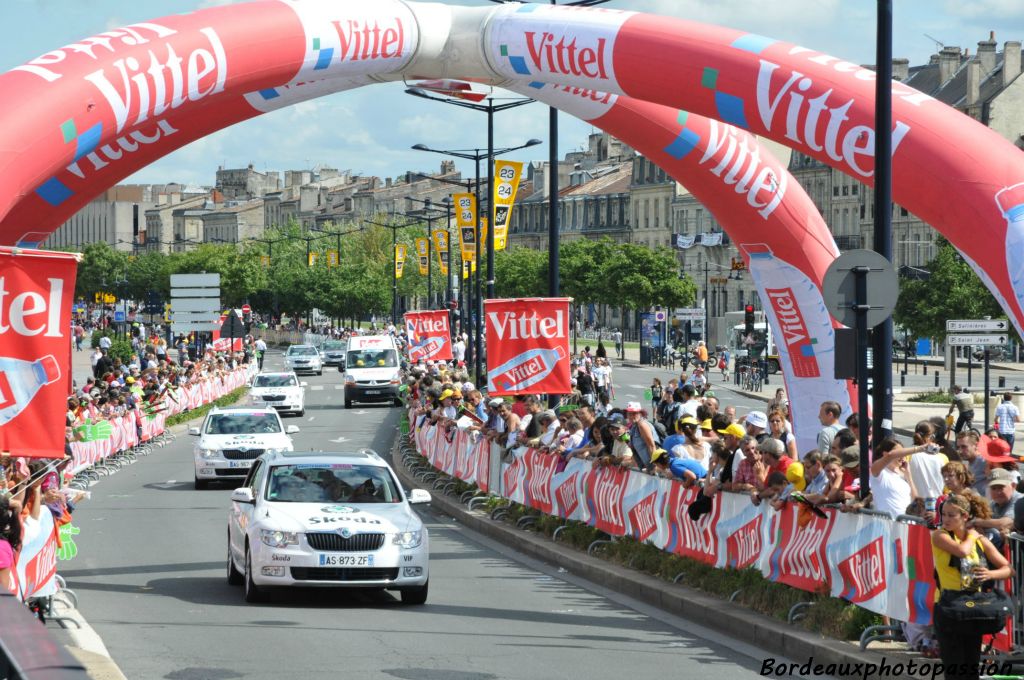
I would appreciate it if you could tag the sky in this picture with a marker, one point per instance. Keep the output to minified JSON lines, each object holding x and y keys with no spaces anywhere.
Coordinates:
{"x":370,"y":130}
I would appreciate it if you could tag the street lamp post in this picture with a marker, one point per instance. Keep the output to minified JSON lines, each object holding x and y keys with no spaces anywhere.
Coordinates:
{"x":428,"y":205}
{"x":394,"y":274}
{"x":467,"y":292}
{"x":476,"y":157}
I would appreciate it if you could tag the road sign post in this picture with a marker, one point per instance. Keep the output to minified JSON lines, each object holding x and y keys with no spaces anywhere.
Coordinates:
{"x":195,"y":303}
{"x":858,"y":290}
{"x":971,"y":332}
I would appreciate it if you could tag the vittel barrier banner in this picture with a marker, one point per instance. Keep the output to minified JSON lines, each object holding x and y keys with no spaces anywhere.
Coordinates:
{"x":36,"y":294}
{"x":35,"y":568}
{"x":527,"y":346}
{"x":429,"y":336}
{"x":879,"y":564}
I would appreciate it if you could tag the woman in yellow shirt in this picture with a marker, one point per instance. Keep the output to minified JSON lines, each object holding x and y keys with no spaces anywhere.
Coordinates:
{"x":964,"y":559}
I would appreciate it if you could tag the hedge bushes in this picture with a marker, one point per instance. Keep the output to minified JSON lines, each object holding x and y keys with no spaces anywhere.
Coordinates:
{"x":226,"y":400}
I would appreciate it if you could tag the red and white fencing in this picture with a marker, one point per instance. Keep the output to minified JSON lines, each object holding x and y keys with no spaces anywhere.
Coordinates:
{"x":882,"y":565}
{"x":126,"y":434}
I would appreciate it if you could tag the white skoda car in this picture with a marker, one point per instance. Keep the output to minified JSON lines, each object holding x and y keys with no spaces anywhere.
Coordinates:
{"x":304,"y":358}
{"x":326,"y":519}
{"x":230,"y":439}
{"x":283,"y":391}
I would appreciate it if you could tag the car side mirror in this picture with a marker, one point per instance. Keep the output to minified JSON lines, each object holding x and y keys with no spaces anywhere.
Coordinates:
{"x":243,"y":495}
{"x":341,"y":368}
{"x":292,"y":429}
{"x":419,"y":496}
{"x":194,"y":431}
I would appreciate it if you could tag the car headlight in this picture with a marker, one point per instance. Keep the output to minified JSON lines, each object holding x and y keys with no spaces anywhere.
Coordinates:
{"x":408,"y":539}
{"x":276,"y":451}
{"x":349,"y":380}
{"x":279,"y":539}
{"x":209,"y":453}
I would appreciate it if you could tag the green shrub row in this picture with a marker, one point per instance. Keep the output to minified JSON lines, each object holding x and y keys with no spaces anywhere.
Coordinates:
{"x":227,"y":400}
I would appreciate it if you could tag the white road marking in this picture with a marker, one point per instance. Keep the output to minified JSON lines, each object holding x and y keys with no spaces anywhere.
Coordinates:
{"x":638,"y":387}
{"x":317,"y":388}
{"x":310,"y":419}
{"x":339,"y":387}
{"x":340,"y":440}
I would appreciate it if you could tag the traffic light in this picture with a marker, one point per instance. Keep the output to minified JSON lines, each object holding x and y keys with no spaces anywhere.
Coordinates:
{"x":748,"y":319}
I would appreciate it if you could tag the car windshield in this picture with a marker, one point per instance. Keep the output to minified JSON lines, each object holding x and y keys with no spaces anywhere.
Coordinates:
{"x":243,"y":423}
{"x":367,"y":358}
{"x":331,"y":483}
{"x":333,"y":346}
{"x":275,"y":381}
{"x":301,"y":350}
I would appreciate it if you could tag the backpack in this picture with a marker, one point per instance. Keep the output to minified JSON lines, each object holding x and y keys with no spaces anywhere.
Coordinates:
{"x":660,"y":429}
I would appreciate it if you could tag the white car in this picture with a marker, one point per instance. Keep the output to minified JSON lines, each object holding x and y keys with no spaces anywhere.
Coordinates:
{"x":307,"y":358}
{"x":327,"y":519}
{"x":230,"y":439}
{"x":283,"y":391}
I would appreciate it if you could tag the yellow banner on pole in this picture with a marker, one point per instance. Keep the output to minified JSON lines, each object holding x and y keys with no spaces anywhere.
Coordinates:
{"x":313,"y":257}
{"x":400,"y":254}
{"x":506,"y":184}
{"x":465,"y":220}
{"x":332,"y":258}
{"x":423,"y":252}
{"x":265,"y":260}
{"x":441,"y":244}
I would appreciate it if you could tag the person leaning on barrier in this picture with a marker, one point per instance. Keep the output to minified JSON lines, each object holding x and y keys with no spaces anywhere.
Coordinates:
{"x":967,"y":449}
{"x":1003,"y":502}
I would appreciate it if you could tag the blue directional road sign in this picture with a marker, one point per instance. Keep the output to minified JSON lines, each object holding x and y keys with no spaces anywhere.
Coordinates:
{"x":118,"y":317}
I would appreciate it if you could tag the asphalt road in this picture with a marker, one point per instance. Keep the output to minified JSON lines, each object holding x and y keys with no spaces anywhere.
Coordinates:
{"x":150,"y":578}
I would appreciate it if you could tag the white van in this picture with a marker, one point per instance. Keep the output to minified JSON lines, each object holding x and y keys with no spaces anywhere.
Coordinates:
{"x":372,"y":369}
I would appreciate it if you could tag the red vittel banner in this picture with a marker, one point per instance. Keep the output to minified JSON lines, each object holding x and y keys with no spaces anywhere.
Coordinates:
{"x":527,"y":346}
{"x":37,"y":290}
{"x":430,"y":338}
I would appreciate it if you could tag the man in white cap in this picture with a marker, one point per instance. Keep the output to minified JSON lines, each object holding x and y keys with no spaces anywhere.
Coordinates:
{"x":757,"y":423}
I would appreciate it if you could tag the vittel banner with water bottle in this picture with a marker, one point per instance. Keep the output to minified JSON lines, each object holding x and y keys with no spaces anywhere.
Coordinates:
{"x":527,"y":346}
{"x":36,"y":293}
{"x":430,"y":338}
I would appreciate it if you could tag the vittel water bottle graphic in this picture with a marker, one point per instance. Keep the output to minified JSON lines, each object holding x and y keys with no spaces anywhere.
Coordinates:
{"x":1011,"y":203}
{"x":529,"y":368}
{"x":804,"y":335}
{"x":20,"y":381}
{"x":427,"y":348}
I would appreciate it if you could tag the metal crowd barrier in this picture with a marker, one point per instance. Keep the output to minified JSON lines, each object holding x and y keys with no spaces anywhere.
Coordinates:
{"x":1015,"y":546}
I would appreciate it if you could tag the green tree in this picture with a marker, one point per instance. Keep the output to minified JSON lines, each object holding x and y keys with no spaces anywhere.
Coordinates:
{"x":101,"y":265}
{"x":520,"y":272}
{"x":952,"y":291}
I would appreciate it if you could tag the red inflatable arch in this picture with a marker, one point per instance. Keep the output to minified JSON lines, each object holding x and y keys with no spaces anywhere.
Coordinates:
{"x":93,"y":112}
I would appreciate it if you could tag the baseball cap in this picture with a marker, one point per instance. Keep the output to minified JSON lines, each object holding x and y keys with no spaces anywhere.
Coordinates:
{"x":496,"y":402}
{"x":633,"y":407}
{"x":446,"y":394}
{"x":1000,"y":477}
{"x":468,"y":387}
{"x":850,"y":456}
{"x":658,"y":454}
{"x":705,"y":424}
{"x":616,"y":419}
{"x":687,"y":420}
{"x":795,"y":476}
{"x":757,"y":419}
{"x":733,"y":429}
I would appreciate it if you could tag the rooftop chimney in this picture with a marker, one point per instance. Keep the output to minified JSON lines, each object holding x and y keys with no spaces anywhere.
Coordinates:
{"x":1011,"y":61}
{"x":973,"y":81}
{"x":987,"y":53}
{"x":949,"y":62}
{"x":900,"y":68}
